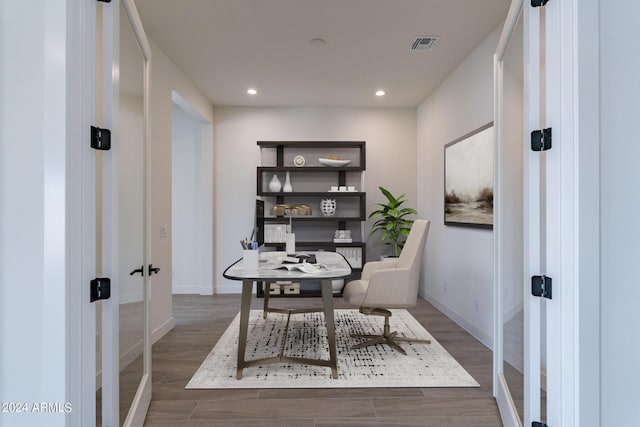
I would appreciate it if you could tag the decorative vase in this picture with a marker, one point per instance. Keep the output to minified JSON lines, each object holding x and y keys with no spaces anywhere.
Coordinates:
{"x":274,"y":184}
{"x":287,"y":188}
{"x":328,"y":207}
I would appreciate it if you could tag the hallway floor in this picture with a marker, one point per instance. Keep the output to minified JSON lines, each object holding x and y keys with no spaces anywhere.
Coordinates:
{"x":201,"y":320}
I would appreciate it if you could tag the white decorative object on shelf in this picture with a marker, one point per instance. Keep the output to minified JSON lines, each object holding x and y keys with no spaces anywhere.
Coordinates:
{"x":333,"y":162}
{"x":342,"y":189}
{"x":298,"y":161}
{"x":287,"y":188}
{"x":328,"y":207}
{"x":342,"y":236}
{"x":274,"y":184}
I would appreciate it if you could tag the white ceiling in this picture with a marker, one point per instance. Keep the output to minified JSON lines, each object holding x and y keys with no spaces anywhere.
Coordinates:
{"x":227,"y":46}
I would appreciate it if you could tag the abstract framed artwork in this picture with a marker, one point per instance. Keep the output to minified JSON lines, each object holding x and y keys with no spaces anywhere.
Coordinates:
{"x":468,"y":179}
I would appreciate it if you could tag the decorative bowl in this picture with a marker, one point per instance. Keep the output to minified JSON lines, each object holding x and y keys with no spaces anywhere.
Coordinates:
{"x":333,"y":162}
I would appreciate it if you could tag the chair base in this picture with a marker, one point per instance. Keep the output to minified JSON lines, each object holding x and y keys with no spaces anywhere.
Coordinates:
{"x":388,"y":337}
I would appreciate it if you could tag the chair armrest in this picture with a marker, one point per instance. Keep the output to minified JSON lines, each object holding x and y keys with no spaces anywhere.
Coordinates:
{"x":386,"y":289}
{"x":371,"y":267}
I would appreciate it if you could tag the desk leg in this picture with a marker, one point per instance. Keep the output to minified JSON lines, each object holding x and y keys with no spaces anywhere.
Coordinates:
{"x":327,"y":305}
{"x":266,"y":286}
{"x":245,"y":307}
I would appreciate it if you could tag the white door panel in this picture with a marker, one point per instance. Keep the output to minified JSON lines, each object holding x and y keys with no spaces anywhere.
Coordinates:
{"x":126,"y":361}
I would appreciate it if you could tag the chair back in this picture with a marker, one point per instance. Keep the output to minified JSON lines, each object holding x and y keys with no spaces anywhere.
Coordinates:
{"x":412,"y":255}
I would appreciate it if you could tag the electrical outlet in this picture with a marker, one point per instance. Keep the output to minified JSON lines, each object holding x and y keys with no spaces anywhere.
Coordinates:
{"x":445,"y":287}
{"x":476,"y":305}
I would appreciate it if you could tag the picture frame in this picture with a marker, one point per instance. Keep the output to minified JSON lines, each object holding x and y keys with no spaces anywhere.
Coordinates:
{"x":468,"y":179}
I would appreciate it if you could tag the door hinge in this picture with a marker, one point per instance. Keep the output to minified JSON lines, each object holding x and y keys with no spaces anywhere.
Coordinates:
{"x":541,"y":140}
{"x":538,"y":424}
{"x":541,"y":286}
{"x":538,"y":3}
{"x":100,"y":138}
{"x":100,"y":289}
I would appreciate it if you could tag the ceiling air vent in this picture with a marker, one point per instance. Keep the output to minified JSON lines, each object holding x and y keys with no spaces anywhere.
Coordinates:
{"x":423,"y":43}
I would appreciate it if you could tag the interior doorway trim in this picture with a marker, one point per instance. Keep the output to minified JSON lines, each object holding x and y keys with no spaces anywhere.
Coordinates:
{"x":205,"y":199}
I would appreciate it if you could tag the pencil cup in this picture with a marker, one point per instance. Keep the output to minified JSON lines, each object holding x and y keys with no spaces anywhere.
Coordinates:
{"x":291,"y":243}
{"x":250,"y":259}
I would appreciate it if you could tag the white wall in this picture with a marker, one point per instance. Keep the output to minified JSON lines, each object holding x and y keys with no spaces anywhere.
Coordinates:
{"x":42,"y":265}
{"x":390,"y":135}
{"x":165,"y":78}
{"x":458,"y":272}
{"x":619,"y":207}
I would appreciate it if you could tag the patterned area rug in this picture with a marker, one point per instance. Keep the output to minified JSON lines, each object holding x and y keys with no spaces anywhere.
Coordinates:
{"x":425,"y":365}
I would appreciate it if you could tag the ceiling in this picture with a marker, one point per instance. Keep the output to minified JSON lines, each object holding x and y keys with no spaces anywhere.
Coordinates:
{"x":228,"y":46}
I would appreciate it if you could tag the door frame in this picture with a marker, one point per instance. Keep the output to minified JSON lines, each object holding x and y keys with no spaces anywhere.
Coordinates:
{"x":110,"y":308}
{"x":573,"y":212}
{"x":572,"y":216}
{"x":81,"y":205}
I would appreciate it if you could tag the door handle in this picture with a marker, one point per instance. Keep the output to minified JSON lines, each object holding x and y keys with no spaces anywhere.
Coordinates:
{"x":153,"y":270}
{"x":138,"y":270}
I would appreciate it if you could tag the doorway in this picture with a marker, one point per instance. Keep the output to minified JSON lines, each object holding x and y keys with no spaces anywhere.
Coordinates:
{"x":192,"y":200}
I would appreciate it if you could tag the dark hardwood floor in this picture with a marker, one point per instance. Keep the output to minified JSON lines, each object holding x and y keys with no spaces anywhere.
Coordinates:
{"x":201,"y":320}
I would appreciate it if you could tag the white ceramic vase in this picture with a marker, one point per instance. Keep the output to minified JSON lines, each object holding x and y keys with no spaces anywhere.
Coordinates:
{"x":287,"y":188}
{"x":328,"y":207}
{"x":274,"y":184}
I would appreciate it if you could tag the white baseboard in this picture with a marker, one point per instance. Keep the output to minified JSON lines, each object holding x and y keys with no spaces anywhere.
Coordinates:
{"x":192,"y":290}
{"x":162,"y":330}
{"x":461,"y":321}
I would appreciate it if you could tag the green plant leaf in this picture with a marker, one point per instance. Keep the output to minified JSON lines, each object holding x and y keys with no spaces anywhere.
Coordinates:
{"x":391,"y":220}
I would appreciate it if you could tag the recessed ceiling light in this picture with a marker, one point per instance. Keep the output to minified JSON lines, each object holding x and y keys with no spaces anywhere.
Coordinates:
{"x":380,"y":93}
{"x":317,"y":43}
{"x":252,"y":91}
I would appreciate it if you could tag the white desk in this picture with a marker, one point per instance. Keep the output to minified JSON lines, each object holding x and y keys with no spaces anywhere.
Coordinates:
{"x":336,"y":268}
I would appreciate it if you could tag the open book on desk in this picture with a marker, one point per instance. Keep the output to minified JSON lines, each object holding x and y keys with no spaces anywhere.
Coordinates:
{"x":303,"y":267}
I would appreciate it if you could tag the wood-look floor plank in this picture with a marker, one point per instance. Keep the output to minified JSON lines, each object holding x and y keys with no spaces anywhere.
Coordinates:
{"x":201,"y":321}
{"x":472,"y":407}
{"x":423,"y":421}
{"x":282,"y":409}
{"x":338,"y":393}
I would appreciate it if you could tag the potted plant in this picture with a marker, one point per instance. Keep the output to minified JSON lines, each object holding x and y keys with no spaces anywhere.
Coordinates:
{"x":392,"y":221}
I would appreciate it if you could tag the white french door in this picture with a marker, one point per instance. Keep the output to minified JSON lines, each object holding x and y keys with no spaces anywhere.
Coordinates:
{"x":535,"y":220}
{"x":561,"y":213}
{"x":520,"y":218}
{"x":126,"y":355}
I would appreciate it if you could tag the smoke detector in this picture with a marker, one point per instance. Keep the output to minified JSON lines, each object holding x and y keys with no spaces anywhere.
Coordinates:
{"x":423,"y":42}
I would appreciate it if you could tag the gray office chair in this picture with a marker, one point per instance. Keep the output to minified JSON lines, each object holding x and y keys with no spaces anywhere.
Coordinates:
{"x":390,"y":284}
